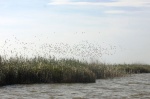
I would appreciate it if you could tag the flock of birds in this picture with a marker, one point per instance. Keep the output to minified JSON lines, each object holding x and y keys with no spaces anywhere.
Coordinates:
{"x":84,"y":49}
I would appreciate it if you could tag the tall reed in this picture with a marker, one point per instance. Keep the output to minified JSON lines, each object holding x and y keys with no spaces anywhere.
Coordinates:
{"x":20,"y":70}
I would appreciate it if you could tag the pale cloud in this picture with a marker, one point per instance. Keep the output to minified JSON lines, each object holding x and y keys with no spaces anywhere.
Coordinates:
{"x":60,"y":1}
{"x":116,"y":12}
{"x":133,"y":3}
{"x":73,"y":3}
{"x":123,"y":5}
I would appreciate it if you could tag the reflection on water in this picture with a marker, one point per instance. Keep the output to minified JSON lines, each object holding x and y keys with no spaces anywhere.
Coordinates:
{"x":133,"y":87}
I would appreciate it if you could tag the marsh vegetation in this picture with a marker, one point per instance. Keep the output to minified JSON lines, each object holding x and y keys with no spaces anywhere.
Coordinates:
{"x":20,"y":70}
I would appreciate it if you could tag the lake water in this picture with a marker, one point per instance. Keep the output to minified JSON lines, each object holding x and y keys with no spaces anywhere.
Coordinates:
{"x":136,"y":86}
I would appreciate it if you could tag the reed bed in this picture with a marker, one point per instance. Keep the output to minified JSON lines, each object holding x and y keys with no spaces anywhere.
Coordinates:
{"x":134,"y":68}
{"x":20,"y":70}
{"x":41,"y":70}
{"x":104,"y":71}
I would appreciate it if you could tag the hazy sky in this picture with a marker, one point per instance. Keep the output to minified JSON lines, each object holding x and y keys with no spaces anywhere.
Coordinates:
{"x":117,"y":30}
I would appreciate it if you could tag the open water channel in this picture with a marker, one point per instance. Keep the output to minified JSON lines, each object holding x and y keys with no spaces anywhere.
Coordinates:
{"x":136,"y":86}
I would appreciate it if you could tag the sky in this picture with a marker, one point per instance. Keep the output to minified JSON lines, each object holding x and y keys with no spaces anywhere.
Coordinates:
{"x":110,"y":31}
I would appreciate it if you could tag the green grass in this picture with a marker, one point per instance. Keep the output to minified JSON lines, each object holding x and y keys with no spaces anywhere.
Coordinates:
{"x":20,"y":70}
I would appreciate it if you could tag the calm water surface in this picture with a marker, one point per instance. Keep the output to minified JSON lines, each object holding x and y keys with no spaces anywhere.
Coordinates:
{"x":133,"y":87}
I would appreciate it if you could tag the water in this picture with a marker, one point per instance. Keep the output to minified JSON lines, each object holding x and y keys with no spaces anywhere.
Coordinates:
{"x":132,"y":87}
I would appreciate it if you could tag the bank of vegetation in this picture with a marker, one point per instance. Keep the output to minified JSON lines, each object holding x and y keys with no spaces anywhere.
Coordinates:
{"x":20,"y":70}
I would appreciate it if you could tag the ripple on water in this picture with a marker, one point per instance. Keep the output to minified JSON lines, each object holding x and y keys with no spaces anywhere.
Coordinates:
{"x":132,"y":87}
